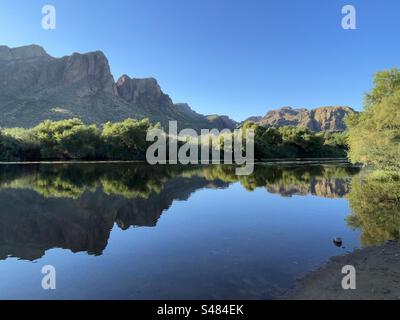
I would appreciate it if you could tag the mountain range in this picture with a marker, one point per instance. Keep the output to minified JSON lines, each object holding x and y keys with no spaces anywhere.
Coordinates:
{"x":35,"y":86}
{"x":320,"y":119}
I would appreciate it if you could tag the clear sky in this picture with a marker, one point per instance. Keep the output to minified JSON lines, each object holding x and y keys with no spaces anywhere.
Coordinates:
{"x":234,"y":57}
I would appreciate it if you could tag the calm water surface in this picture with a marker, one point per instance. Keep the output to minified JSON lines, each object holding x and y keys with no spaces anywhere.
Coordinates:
{"x":131,"y":231}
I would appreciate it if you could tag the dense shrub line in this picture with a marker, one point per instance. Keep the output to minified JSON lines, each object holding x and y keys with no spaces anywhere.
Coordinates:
{"x":71,"y":139}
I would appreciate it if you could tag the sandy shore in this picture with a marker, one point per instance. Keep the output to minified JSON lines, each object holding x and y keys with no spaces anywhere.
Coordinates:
{"x":377,"y":276}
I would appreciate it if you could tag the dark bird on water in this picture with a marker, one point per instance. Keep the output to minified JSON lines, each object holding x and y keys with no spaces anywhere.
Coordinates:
{"x":337,"y":241}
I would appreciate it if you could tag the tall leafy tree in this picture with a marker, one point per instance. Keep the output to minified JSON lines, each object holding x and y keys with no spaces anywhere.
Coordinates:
{"x":127,"y":139}
{"x":374,"y":135}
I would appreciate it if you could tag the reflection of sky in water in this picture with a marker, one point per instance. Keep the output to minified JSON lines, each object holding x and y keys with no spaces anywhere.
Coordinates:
{"x":221,"y":243}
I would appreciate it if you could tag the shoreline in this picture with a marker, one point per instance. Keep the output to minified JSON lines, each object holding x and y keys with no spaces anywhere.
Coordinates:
{"x":377,"y":276}
{"x":271,"y":161}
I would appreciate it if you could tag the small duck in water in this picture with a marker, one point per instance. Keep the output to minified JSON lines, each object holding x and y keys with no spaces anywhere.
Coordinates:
{"x":337,"y":241}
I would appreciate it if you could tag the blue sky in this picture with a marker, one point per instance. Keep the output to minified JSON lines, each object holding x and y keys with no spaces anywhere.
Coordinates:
{"x":236,"y":57}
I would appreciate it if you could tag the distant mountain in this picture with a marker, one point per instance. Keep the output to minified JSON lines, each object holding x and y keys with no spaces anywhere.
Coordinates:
{"x":319,"y":119}
{"x":35,"y":86}
{"x":218,"y":121}
{"x":254,"y":119}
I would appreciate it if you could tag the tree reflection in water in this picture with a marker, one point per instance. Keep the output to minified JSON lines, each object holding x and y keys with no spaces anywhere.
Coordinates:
{"x":74,"y":206}
{"x":375,"y":208}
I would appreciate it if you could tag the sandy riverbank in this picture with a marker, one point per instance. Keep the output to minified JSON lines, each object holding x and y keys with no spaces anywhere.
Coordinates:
{"x":377,"y":276}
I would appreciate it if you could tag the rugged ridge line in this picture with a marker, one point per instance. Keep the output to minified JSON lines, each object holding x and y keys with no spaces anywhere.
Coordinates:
{"x":35,"y":87}
{"x":329,"y":118}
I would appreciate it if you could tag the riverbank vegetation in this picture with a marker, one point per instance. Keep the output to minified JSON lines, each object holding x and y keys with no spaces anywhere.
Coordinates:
{"x":374,"y":134}
{"x":292,"y":142}
{"x":73,"y":140}
{"x":372,"y":138}
{"x":374,"y":141}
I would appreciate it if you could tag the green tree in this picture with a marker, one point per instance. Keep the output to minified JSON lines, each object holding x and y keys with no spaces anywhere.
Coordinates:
{"x":49,"y":135}
{"x":374,"y":135}
{"x":385,"y":84}
{"x":81,"y":142}
{"x":307,"y":143}
{"x":18,"y":144}
{"x":126,"y":140}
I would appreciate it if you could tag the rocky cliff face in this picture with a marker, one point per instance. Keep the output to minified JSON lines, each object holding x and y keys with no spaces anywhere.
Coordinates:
{"x":29,"y":70}
{"x":319,"y":119}
{"x":329,"y":118}
{"x":135,"y":90}
{"x":148,"y":94}
{"x":35,"y":87}
{"x":25,"y":52}
{"x":91,"y":70}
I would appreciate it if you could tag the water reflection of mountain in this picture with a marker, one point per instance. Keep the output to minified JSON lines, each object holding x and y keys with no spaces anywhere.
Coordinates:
{"x":75,"y":206}
{"x":30,"y":223}
{"x":321,"y":187}
{"x":322,"y":181}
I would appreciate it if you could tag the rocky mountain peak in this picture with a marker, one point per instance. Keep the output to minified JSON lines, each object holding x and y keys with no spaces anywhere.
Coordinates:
{"x":35,"y":87}
{"x":329,"y":118}
{"x":89,"y":67}
{"x":25,"y":52}
{"x":222,"y":121}
{"x":320,"y":119}
{"x":185,"y":108}
{"x":132,"y":90}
